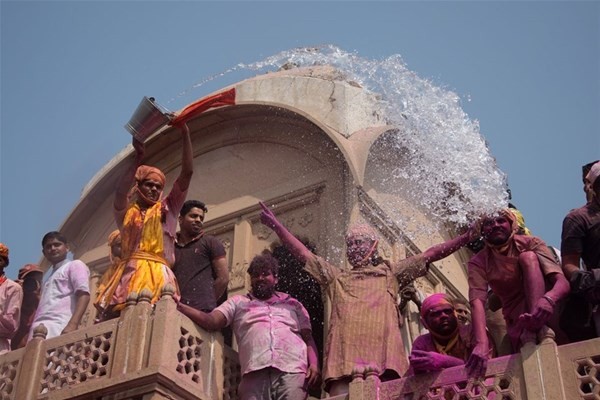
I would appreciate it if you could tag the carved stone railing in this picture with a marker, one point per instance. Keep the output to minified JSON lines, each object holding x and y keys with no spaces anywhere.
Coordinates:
{"x":542,"y":372}
{"x":158,"y":353}
{"x":149,"y":351}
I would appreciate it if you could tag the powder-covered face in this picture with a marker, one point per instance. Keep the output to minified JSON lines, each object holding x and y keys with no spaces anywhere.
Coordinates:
{"x":263,"y":282}
{"x":359,"y":249}
{"x":496,"y":230}
{"x":441,"y":318}
{"x":151,"y":189}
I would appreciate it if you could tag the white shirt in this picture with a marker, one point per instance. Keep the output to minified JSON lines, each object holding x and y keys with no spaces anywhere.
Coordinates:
{"x":58,"y":300}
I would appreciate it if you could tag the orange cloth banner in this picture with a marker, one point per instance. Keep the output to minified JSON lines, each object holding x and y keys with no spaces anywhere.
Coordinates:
{"x":226,"y":98}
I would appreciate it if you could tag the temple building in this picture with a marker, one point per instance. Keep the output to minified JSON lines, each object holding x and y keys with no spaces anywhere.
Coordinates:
{"x":308,"y":143}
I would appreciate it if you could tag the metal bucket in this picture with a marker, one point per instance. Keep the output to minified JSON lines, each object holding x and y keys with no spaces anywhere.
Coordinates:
{"x":148,"y":117}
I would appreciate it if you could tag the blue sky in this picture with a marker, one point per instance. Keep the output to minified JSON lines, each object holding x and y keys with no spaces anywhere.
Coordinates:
{"x":73,"y":72}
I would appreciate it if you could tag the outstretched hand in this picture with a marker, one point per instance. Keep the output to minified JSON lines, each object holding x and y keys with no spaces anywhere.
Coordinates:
{"x":425,"y":361}
{"x":266,"y":216}
{"x":477,"y":362}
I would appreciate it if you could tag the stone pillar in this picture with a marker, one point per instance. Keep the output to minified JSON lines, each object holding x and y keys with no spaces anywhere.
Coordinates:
{"x":32,"y":364}
{"x":541,"y":370}
{"x":131,"y":341}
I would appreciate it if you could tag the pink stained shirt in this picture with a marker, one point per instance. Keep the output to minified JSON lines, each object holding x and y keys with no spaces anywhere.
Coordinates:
{"x":58,"y":300}
{"x":268,"y":332}
{"x":11,"y":296}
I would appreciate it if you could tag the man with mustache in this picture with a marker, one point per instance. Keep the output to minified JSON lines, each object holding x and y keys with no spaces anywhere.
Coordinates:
{"x":200,"y":265}
{"x":278,"y":355}
{"x":518,"y":269}
{"x":448,"y":342}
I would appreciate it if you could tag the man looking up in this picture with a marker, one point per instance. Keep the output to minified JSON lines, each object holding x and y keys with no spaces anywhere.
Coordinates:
{"x":447,"y":344}
{"x":200,"y":265}
{"x":65,"y":291}
{"x":278,"y":355}
{"x":517,"y":268}
{"x":11,"y":296}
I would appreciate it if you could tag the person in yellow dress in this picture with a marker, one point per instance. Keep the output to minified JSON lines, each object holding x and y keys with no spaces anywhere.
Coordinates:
{"x":148,"y":224}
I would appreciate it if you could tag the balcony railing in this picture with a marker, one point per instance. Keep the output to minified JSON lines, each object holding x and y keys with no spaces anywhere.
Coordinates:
{"x":158,"y":353}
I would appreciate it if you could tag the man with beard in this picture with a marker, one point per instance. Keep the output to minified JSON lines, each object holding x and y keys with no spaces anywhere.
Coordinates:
{"x":278,"y":355}
{"x":364,"y":325}
{"x":447,"y":344}
{"x":200,"y":265}
{"x":518,"y":269}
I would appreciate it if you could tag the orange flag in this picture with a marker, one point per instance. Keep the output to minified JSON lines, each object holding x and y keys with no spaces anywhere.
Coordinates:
{"x":226,"y":98}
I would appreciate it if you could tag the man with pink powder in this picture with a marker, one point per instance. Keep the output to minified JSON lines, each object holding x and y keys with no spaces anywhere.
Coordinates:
{"x":278,"y":355}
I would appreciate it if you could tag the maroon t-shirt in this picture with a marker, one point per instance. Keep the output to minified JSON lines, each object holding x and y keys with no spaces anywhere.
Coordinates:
{"x":581,"y":234}
{"x":194,"y":273}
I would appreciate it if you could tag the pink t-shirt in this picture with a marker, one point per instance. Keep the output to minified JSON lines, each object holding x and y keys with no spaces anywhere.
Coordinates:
{"x":268,"y":332}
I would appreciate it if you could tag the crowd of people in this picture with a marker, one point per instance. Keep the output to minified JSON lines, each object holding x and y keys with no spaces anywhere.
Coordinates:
{"x":533,"y":285}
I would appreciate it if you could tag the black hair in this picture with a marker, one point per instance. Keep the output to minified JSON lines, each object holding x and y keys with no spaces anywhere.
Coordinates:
{"x":264,"y":261}
{"x":189,"y":204}
{"x":54,"y":235}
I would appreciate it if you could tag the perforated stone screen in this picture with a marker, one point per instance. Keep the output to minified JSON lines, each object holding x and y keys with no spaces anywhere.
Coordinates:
{"x":76,"y":362}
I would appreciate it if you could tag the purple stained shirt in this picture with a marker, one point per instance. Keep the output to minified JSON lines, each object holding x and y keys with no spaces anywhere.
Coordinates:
{"x":268,"y":332}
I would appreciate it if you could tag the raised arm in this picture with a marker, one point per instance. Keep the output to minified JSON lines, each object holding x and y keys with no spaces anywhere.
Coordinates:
{"x":442,"y":250}
{"x":187,"y":160}
{"x":295,"y":246}
{"x":126,"y":181}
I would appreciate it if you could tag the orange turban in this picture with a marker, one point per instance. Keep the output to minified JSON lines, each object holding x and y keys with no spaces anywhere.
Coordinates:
{"x":3,"y":251}
{"x":145,"y":172}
